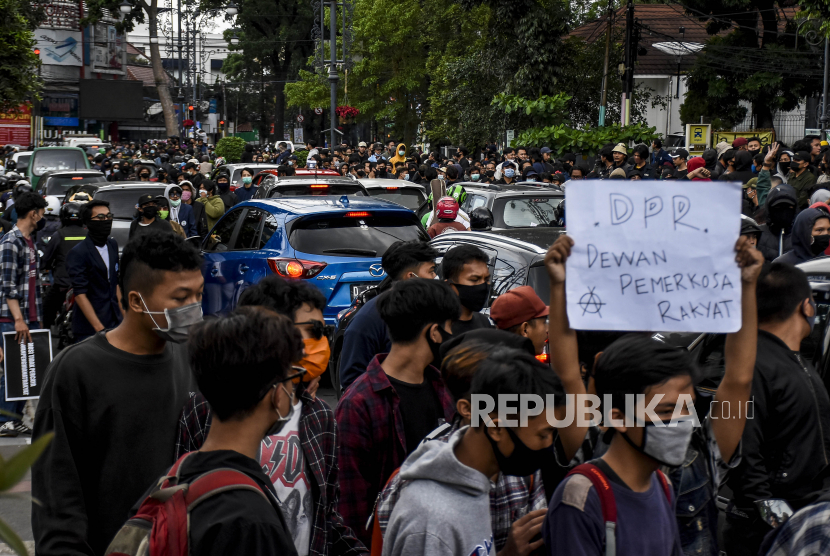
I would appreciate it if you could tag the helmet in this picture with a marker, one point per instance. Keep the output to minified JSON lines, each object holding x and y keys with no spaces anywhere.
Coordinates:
{"x":70,"y":213}
{"x":13,"y":177}
{"x":447,"y":208}
{"x":458,"y":193}
{"x":53,"y":206}
{"x":749,"y":226}
{"x":21,"y":187}
{"x":220,"y":161}
{"x":559,"y":214}
{"x":80,"y":197}
{"x":164,"y":157}
{"x":481,"y":219}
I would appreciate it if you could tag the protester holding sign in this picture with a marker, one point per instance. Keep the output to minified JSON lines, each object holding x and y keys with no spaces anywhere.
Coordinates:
{"x":644,"y":365}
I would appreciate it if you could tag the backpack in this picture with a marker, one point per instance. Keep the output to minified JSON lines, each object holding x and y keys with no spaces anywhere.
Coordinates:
{"x":161,"y":525}
{"x":606,"y":499}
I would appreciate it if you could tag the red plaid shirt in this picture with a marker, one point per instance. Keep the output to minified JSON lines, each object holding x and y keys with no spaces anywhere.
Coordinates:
{"x":372,"y":442}
{"x":318,"y":437}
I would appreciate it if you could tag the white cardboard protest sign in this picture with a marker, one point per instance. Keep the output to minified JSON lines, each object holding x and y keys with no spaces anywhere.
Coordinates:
{"x":654,"y":255}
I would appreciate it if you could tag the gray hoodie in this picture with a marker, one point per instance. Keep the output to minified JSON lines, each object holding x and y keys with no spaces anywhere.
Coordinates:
{"x":444,"y":509}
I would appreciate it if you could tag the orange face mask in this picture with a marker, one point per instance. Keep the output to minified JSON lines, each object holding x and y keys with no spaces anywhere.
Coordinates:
{"x":316,"y":358}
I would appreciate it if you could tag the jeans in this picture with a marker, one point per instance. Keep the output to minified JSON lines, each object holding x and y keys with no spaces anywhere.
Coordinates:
{"x":15,"y":407}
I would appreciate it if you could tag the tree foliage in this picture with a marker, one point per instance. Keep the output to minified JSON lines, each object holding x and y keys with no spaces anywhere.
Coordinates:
{"x":18,"y":62}
{"x":755,"y":62}
{"x":231,"y":148}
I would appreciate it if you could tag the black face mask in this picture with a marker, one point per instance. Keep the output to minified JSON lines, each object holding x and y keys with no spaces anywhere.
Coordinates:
{"x":782,"y":216}
{"x":473,"y":298}
{"x":490,"y":173}
{"x":41,"y":224}
{"x":223,"y":186}
{"x":567,"y":168}
{"x":820,"y":243}
{"x":795,"y":165}
{"x":522,"y":461}
{"x":436,"y":346}
{"x":99,"y":231}
{"x":145,"y":176}
{"x":150,"y":212}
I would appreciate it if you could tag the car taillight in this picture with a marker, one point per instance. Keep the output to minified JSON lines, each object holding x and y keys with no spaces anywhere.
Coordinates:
{"x":543,"y":357}
{"x":78,"y":178}
{"x":319,"y":186}
{"x":358,"y":214}
{"x":295,"y":268}
{"x":393,"y":188}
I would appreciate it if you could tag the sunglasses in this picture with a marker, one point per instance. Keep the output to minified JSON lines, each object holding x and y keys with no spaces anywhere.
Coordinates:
{"x":299,"y":373}
{"x":102,"y":217}
{"x":318,"y":328}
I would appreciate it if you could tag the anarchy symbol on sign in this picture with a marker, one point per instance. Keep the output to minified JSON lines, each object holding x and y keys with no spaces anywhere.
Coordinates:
{"x":591,"y":303}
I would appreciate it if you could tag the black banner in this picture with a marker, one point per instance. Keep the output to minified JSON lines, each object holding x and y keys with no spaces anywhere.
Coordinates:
{"x":25,"y":364}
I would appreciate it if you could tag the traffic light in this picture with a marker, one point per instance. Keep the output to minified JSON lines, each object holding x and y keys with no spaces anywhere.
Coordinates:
{"x":37,"y":52}
{"x":221,"y":122}
{"x":190,"y":108}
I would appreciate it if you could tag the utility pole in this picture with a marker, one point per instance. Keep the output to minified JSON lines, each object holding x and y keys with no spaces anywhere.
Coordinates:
{"x":603,"y":103}
{"x":225,"y":109}
{"x":181,"y":73}
{"x":333,"y":77}
{"x":825,"y":117}
{"x":630,"y":51}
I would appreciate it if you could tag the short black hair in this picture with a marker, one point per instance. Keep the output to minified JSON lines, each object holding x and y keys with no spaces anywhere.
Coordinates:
{"x":452,"y":172}
{"x":411,"y":305}
{"x":781,"y":289}
{"x":404,"y":256}
{"x":27,"y":202}
{"x":311,"y":142}
{"x":236,"y":359}
{"x":208,"y":185}
{"x":751,"y":139}
{"x":515,"y":372}
{"x":282,"y":296}
{"x":146,"y":256}
{"x":457,"y":257}
{"x":641,"y":150}
{"x":86,"y":210}
{"x":658,"y":143}
{"x":636,"y":361}
{"x":430,"y":173}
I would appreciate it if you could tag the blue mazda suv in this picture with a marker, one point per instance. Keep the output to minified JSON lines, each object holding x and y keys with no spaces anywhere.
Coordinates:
{"x":334,"y":243}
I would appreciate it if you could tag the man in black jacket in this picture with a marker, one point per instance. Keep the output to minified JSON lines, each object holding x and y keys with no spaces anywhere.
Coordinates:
{"x":786,"y":443}
{"x":93,"y":269}
{"x":71,"y":234}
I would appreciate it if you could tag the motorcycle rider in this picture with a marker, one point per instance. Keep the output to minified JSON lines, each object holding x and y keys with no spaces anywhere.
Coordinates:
{"x":71,"y":233}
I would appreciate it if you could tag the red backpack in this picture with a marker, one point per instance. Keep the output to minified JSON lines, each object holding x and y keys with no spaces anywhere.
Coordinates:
{"x":606,"y":499}
{"x":161,"y":526}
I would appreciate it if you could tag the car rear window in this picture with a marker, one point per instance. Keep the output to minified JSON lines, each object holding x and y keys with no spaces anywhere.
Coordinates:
{"x":315,"y":189}
{"x":59,"y":185}
{"x":123,"y":201}
{"x":22,"y":162}
{"x":58,"y":159}
{"x":520,"y":212}
{"x":537,"y":278}
{"x":341,"y":236}
{"x":409,"y":198}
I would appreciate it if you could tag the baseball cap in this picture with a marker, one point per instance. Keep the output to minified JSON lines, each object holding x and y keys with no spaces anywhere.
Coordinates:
{"x":802,"y":156}
{"x":362,"y":144}
{"x":443,"y":169}
{"x":144,"y":199}
{"x":545,"y":150}
{"x":517,"y":306}
{"x":680,"y":153}
{"x":739,"y":142}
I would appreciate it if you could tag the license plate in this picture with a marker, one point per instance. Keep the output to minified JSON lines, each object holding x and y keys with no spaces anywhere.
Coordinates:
{"x":358,"y":289}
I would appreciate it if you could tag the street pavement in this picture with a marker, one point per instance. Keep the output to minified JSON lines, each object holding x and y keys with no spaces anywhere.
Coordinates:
{"x":18,"y":512}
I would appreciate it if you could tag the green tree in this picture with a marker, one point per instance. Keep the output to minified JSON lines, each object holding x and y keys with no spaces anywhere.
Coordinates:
{"x":274,"y":45}
{"x":18,"y":70}
{"x":230,"y":148}
{"x":755,"y":62}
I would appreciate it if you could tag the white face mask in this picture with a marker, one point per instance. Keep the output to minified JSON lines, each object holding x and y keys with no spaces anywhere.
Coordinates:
{"x":666,"y":445}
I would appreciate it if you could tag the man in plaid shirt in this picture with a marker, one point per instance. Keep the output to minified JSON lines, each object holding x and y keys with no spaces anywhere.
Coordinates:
{"x":20,"y":297}
{"x":309,"y":476}
{"x":390,"y":408}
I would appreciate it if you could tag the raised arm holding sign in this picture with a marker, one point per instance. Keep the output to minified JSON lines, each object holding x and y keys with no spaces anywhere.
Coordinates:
{"x":655,"y":256}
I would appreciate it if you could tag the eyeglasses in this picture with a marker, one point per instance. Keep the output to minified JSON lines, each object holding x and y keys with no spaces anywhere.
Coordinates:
{"x":300,"y":373}
{"x":174,"y":195}
{"x":318,"y":329}
{"x":102,"y":217}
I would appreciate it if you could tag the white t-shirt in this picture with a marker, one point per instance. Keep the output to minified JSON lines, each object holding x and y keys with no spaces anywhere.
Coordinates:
{"x":281,"y":457}
{"x":105,"y":255}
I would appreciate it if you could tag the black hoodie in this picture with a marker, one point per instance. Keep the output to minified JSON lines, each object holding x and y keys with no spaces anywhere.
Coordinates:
{"x":776,"y":236}
{"x":743,"y":169}
{"x":803,"y":237}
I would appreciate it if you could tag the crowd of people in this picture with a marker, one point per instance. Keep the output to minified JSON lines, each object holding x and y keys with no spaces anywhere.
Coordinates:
{"x":212,"y":429}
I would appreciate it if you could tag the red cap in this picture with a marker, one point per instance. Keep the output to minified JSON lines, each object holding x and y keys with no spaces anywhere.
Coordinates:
{"x":739,"y":142}
{"x":517,"y":306}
